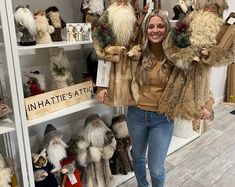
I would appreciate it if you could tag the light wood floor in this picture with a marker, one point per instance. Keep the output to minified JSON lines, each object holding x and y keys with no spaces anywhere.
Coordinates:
{"x":208,"y":160}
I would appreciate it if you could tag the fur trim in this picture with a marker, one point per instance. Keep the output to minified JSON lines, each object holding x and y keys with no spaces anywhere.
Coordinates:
{"x":5,"y":177}
{"x":95,"y":154}
{"x":82,"y":158}
{"x":109,"y":150}
{"x":2,"y":162}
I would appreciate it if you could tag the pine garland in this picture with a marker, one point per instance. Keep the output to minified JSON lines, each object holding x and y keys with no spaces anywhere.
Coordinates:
{"x":60,"y":71}
{"x":180,"y":34}
{"x":103,"y":30}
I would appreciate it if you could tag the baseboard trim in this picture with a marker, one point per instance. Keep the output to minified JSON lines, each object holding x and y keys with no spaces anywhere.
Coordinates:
{"x":219,"y":100}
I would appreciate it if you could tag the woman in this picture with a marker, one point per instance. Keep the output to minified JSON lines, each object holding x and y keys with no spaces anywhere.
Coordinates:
{"x":146,"y":126}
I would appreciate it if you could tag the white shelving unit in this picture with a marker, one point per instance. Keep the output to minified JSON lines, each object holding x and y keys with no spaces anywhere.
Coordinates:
{"x":6,"y":125}
{"x":10,"y":128}
{"x":19,"y":54}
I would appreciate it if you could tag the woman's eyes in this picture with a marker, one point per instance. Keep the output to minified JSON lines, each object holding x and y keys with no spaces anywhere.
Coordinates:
{"x":151,"y":26}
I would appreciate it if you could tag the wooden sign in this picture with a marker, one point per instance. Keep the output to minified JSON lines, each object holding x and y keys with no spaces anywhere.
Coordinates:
{"x":46,"y":103}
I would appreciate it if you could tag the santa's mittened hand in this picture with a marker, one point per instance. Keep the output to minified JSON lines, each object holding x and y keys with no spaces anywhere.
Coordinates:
{"x":64,"y":170}
{"x":135,"y":51}
{"x":101,"y":94}
{"x":205,"y":51}
{"x":196,"y":59}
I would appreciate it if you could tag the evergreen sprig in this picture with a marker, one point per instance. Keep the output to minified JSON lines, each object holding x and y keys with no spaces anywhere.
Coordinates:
{"x":60,"y":71}
{"x":103,"y":31}
{"x":180,"y":34}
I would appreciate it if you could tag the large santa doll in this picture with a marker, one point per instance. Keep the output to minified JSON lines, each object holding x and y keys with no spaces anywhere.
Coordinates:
{"x":96,"y":146}
{"x":187,"y":91}
{"x":113,"y":35}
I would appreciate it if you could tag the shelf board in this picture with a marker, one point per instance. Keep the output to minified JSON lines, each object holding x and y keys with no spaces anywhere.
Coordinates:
{"x":177,"y":142}
{"x":63,"y":112}
{"x":26,"y":50}
{"x":6,"y":125}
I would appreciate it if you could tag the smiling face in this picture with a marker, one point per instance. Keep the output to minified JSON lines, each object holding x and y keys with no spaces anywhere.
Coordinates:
{"x":156,"y":30}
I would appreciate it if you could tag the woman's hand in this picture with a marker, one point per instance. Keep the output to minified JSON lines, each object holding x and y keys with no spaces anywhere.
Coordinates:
{"x":205,"y":113}
{"x":101,"y":94}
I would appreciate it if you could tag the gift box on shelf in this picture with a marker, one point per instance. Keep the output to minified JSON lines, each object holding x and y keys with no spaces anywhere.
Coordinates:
{"x":46,"y":103}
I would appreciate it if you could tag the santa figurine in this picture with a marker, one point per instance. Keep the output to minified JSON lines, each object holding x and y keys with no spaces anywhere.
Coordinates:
{"x":96,"y":146}
{"x":55,"y":147}
{"x":25,"y":26}
{"x":113,"y":34}
{"x":42,"y":171}
{"x":91,"y":8}
{"x":187,"y":90}
{"x":71,"y":175}
{"x":43,"y":29}
{"x":121,"y":162}
{"x":61,"y":69}
{"x":5,"y":173}
{"x":53,"y":15}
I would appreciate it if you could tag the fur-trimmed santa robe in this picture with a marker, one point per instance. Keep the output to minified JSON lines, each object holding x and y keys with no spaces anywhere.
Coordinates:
{"x":96,"y":146}
{"x":188,"y":88}
{"x":122,"y":21}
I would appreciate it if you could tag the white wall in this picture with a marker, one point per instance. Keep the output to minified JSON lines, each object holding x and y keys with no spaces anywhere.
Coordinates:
{"x":218,"y":75}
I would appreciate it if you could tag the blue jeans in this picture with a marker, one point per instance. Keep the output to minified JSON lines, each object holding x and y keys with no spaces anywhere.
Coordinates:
{"x":155,"y":131}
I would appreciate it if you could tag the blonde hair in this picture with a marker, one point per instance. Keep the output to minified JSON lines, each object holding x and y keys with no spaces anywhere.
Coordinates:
{"x":159,"y":13}
{"x":148,"y":58}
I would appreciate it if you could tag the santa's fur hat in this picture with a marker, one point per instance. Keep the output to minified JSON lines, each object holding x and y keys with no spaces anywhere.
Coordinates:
{"x":50,"y":133}
{"x":220,"y":5}
{"x":52,"y":9}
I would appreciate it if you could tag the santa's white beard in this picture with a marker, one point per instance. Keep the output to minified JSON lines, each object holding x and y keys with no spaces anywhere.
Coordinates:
{"x":205,"y":27}
{"x":55,"y":19}
{"x":41,"y":23}
{"x":96,"y":135}
{"x":96,"y":6}
{"x":120,"y":129}
{"x":25,"y":17}
{"x":122,"y":19}
{"x":56,"y":152}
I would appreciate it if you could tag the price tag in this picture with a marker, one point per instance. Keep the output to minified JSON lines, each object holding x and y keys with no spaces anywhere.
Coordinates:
{"x":72,"y":178}
{"x":103,"y":72}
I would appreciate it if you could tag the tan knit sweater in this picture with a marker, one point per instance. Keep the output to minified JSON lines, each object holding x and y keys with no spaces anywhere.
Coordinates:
{"x":149,"y":94}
